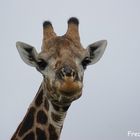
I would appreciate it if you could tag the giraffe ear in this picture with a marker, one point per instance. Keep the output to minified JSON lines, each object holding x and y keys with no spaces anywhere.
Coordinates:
{"x":96,"y":50}
{"x":27,"y":53}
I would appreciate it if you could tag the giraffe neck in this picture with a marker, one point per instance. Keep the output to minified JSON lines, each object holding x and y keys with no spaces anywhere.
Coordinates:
{"x":43,"y":121}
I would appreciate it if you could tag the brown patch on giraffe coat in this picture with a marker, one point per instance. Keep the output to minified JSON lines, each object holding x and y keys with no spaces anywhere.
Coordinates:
{"x":27,"y":123}
{"x":41,"y":117}
{"x":61,"y":109}
{"x":56,"y":107}
{"x":30,"y":136}
{"x":56,"y":117}
{"x":40,"y":134}
{"x":65,"y":108}
{"x":39,"y":98}
{"x":53,"y":135}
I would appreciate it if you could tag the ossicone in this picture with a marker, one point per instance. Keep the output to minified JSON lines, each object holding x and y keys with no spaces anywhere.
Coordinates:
{"x":73,"y":20}
{"x":48,"y":31}
{"x":73,"y":29}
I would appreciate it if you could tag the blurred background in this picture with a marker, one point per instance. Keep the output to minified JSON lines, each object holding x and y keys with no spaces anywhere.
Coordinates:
{"x":109,"y":107}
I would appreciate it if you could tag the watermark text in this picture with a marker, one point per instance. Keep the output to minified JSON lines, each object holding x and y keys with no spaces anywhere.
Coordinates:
{"x":133,"y":134}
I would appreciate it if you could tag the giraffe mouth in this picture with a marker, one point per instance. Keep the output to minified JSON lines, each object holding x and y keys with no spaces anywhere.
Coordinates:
{"x":69,"y":87}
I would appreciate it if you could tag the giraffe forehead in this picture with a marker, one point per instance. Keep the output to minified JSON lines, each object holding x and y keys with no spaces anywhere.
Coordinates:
{"x":58,"y":41}
{"x":62,"y":47}
{"x":63,"y":54}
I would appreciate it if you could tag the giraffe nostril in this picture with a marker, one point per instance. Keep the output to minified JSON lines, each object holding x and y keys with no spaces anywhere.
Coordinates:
{"x":67,"y":71}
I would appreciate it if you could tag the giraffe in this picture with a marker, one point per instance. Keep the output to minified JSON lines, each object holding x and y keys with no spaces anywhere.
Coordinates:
{"x":62,"y":62}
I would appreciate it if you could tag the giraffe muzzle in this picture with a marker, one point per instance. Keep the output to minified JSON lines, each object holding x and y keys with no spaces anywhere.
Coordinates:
{"x":66,"y":73}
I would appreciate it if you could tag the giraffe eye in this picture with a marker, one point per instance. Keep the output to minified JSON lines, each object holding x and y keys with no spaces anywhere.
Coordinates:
{"x":42,"y":64}
{"x":85,"y":62}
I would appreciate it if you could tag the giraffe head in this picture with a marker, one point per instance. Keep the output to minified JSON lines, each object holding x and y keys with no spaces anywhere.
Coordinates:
{"x":62,"y":61}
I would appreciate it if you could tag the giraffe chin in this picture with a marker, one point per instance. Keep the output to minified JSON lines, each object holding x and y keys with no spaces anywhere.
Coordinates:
{"x":65,"y":100}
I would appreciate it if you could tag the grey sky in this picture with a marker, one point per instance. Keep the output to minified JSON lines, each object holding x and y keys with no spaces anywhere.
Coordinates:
{"x":110,"y":104}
